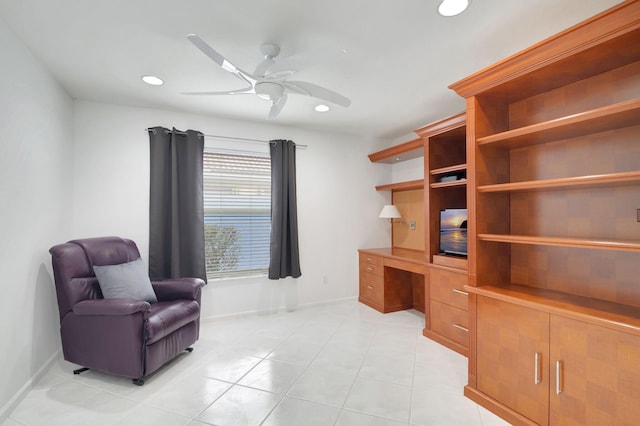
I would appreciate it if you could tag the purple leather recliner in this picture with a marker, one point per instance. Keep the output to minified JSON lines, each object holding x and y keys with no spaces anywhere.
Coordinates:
{"x":124,"y":337}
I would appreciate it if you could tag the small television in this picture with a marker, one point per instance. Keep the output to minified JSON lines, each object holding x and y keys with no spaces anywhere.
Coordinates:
{"x":453,"y":231}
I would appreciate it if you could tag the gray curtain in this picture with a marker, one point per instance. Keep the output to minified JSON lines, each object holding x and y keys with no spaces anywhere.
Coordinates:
{"x":284,"y":252}
{"x":176,"y":207}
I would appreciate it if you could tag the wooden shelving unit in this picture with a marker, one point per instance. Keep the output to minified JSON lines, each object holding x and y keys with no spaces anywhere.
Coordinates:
{"x":446,"y":315}
{"x":554,"y":239}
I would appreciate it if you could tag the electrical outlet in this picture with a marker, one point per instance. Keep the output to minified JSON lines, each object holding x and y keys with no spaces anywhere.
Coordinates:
{"x":412,"y":225}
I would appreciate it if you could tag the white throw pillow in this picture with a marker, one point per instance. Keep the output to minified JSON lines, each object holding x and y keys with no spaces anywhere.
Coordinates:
{"x":126,"y":280}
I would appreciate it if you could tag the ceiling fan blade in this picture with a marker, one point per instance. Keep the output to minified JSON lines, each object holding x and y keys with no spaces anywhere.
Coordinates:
{"x":279,"y":75}
{"x":276,"y":107}
{"x":309,"y":89}
{"x":246,"y":90}
{"x":263,"y":67}
{"x":219,"y":59}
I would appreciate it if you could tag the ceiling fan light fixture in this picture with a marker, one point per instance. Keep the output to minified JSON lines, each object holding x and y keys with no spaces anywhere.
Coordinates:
{"x":321,"y":108}
{"x":152,"y":80}
{"x":452,"y":7}
{"x":269,"y":91}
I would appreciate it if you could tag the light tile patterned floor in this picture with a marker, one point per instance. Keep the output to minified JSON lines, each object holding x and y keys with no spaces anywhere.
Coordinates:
{"x":339,"y":364}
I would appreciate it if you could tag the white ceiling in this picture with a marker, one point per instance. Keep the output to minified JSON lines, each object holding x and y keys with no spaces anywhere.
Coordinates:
{"x":393,"y":59}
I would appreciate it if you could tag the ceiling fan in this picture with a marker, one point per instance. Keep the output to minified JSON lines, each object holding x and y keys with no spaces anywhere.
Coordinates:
{"x":272,"y":86}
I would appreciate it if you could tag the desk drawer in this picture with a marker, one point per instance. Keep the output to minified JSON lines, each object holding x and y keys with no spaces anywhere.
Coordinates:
{"x":371,"y":268}
{"x":448,"y":287}
{"x":450,"y":322}
{"x":370,"y":258}
{"x":372,"y":288}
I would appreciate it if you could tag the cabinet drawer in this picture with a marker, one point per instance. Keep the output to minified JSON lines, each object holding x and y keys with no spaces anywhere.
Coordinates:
{"x":450,"y":322}
{"x":370,"y":258}
{"x":371,"y":268}
{"x":448,"y":287}
{"x":372,"y":288}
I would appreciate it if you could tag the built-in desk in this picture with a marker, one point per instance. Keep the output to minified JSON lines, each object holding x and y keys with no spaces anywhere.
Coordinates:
{"x":392,"y":279}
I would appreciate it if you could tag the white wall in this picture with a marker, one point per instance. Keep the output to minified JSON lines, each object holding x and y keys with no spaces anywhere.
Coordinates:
{"x":337,"y":202}
{"x":408,"y":170}
{"x":36,"y":192}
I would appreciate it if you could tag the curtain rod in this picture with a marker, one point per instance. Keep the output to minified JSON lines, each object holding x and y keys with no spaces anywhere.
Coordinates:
{"x":227,"y":137}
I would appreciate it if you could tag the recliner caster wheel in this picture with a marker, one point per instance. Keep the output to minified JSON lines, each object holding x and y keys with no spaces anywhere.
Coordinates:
{"x":137,"y":382}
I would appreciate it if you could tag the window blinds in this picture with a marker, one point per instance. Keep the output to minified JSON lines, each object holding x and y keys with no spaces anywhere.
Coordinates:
{"x":237,"y":213}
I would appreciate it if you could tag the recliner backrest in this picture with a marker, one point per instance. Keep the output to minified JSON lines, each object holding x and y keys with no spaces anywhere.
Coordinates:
{"x":73,"y":267}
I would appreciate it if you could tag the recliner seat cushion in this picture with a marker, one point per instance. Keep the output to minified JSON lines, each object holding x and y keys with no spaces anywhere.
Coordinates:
{"x":167,"y":317}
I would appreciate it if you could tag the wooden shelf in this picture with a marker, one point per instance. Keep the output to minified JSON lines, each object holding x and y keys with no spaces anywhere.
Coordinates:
{"x":402,"y":152}
{"x":582,"y":181}
{"x":608,"y":314}
{"x":450,"y":169}
{"x":563,"y":242}
{"x":609,"y":117}
{"x":459,"y":182}
{"x":402,"y":186}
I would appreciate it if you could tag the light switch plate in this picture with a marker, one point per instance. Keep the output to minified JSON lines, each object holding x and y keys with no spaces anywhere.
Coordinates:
{"x":412,"y":224}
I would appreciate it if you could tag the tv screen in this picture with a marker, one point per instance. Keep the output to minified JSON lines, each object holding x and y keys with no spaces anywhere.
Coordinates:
{"x":453,"y":231}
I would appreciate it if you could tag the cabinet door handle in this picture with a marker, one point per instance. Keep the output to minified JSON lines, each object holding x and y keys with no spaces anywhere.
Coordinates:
{"x":464,"y":293}
{"x":459,"y":327}
{"x":369,"y":287}
{"x":536,"y":369}
{"x":559,"y":377}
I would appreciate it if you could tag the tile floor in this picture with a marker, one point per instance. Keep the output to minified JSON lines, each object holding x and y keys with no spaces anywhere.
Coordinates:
{"x":339,"y":364}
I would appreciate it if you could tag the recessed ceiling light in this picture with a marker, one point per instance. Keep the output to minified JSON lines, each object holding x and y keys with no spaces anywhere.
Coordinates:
{"x":452,"y":7}
{"x":152,"y":80}
{"x":321,"y":108}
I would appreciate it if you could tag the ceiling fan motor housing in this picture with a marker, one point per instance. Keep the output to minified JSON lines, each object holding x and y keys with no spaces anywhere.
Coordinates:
{"x":269,"y":91}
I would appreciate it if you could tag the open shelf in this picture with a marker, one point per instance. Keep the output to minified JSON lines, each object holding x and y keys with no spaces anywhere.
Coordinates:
{"x":609,"y":117}
{"x":563,"y":242}
{"x":459,"y":182}
{"x":582,"y":181}
{"x":397,"y":153}
{"x":609,"y":314}
{"x":402,"y":186}
{"x":450,"y":169}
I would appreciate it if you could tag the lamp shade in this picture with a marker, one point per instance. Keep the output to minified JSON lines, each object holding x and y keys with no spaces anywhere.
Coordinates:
{"x":389,"y":211}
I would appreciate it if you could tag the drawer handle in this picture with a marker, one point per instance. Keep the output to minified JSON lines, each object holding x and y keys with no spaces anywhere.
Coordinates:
{"x":536,"y":368}
{"x":558,"y":377}
{"x":369,"y":259}
{"x":459,"y":327}
{"x":370,"y":287}
{"x":464,"y":293}
{"x":369,"y":269}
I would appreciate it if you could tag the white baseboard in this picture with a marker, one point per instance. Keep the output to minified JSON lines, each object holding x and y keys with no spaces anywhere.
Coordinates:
{"x":8,"y":408}
{"x":278,"y":309}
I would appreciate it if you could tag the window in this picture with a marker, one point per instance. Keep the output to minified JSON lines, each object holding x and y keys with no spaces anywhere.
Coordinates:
{"x":237,"y":213}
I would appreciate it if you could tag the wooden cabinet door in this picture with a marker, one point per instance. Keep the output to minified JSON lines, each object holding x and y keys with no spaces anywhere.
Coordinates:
{"x":599,"y":375}
{"x":508,"y":370}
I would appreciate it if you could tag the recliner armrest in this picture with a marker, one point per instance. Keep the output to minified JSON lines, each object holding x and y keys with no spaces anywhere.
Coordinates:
{"x":179,"y":288}
{"x":110,"y":307}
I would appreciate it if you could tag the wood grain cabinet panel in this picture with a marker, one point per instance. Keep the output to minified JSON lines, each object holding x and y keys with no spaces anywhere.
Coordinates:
{"x":599,"y":374}
{"x":508,"y":369}
{"x":450,"y":322}
{"x":448,"y":287}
